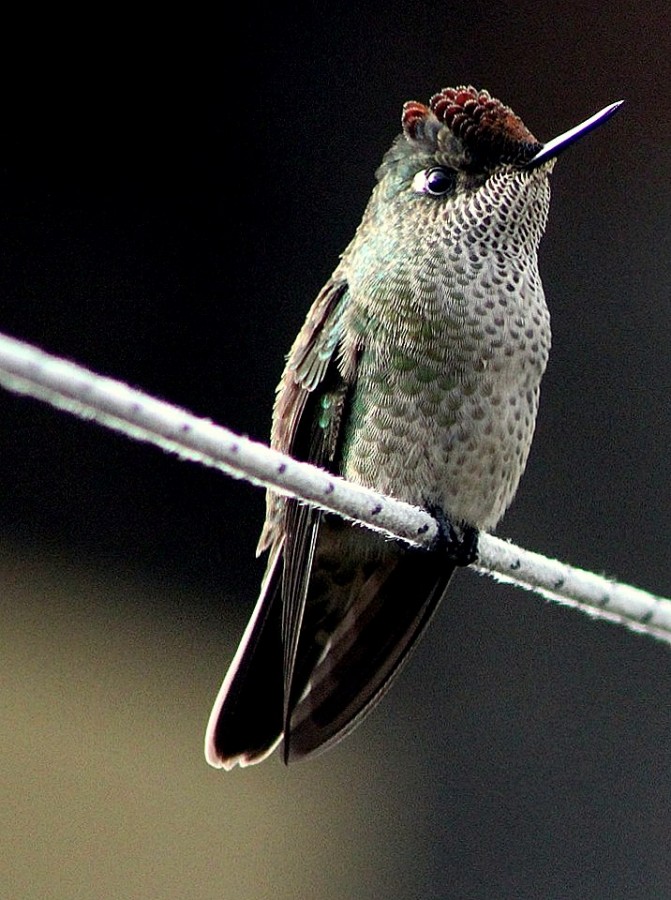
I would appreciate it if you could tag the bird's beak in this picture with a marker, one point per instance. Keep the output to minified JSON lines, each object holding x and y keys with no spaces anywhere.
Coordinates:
{"x":559,"y":144}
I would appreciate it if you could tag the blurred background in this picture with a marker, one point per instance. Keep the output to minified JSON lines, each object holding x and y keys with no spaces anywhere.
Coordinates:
{"x":173,"y":193}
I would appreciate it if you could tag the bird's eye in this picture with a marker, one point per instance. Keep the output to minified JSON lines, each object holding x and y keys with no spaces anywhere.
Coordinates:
{"x":436,"y":181}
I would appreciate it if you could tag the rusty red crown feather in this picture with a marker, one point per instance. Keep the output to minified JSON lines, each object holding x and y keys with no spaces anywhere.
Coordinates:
{"x":491,"y":132}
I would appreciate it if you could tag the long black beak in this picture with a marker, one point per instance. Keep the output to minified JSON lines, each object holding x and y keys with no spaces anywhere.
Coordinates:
{"x":559,"y":144}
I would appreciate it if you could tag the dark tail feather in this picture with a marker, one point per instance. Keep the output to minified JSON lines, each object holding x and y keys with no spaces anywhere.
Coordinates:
{"x":368,"y":648}
{"x":339,"y":680}
{"x":245,"y":724}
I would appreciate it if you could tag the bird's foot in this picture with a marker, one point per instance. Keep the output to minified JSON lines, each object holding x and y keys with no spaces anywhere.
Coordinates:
{"x":459,"y":542}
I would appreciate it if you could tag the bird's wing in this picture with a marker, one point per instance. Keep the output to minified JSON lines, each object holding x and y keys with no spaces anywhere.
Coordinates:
{"x":248,"y":717}
{"x":308,"y":416}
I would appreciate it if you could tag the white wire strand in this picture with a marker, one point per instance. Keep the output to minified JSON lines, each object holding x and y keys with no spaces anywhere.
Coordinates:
{"x":24,"y":369}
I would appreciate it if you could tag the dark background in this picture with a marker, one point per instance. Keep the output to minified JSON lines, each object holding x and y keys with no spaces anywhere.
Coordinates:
{"x":173,"y":193}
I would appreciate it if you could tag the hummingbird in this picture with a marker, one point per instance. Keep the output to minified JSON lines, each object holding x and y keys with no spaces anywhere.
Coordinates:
{"x":416,"y":373}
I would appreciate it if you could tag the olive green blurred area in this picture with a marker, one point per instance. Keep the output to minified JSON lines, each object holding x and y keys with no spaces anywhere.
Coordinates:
{"x":105,"y":790}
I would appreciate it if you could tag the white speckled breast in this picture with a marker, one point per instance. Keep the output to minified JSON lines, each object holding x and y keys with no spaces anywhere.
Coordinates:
{"x":452,"y":337}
